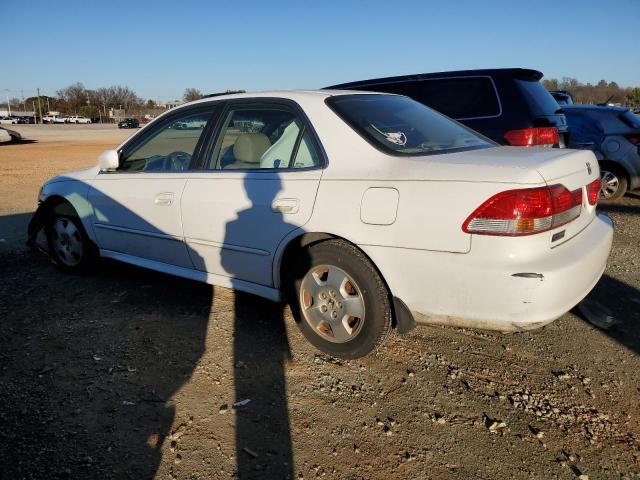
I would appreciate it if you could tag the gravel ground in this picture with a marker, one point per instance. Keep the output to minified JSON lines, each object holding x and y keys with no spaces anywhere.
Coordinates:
{"x":124,"y":373}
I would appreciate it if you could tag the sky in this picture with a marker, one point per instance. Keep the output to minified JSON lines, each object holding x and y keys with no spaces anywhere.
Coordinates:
{"x":159,"y":48}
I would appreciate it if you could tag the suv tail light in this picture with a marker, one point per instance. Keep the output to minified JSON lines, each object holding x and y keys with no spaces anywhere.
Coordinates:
{"x":593,"y":190}
{"x":529,"y":137}
{"x":635,"y":139}
{"x":525,"y":211}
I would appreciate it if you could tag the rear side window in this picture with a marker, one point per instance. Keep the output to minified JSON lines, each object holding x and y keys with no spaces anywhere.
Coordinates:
{"x":538,"y":98}
{"x":631,"y":119}
{"x":458,"y":98}
{"x":402,"y":126}
{"x":255,"y":138}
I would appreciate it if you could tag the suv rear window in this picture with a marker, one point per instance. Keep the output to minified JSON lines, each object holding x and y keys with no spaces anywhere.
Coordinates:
{"x":402,"y":126}
{"x":459,"y":98}
{"x":539,"y":99}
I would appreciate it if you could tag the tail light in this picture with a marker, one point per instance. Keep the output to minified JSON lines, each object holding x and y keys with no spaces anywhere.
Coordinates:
{"x":635,"y":139}
{"x":593,"y":190}
{"x":529,"y":137}
{"x":525,"y":211}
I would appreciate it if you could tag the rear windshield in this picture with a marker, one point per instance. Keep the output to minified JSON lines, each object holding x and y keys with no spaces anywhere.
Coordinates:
{"x":538,"y":98}
{"x":402,"y":126}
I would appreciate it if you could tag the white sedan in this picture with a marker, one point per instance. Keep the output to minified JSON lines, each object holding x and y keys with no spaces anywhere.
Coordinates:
{"x":366,"y":211}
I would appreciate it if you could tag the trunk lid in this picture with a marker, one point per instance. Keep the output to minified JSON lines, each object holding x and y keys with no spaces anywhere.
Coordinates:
{"x":574,"y":169}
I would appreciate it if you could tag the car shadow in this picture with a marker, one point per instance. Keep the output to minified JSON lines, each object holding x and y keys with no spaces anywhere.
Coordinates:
{"x":88,"y":384}
{"x":620,"y":302}
{"x":19,"y":142}
{"x":618,"y":208}
{"x":90,"y":363}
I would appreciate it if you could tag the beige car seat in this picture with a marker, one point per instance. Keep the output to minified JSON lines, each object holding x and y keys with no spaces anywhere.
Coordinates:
{"x":248,"y":150}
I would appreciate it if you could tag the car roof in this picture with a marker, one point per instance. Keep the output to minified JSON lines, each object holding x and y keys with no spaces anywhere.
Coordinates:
{"x":295,"y":95}
{"x":520,"y":73}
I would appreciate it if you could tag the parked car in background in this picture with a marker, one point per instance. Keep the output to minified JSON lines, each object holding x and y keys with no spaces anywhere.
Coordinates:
{"x":613,"y":134}
{"x":365,"y":210}
{"x":508,"y":105}
{"x":25,"y":119}
{"x":8,"y":121}
{"x":129,"y":123}
{"x":78,"y":119}
{"x":562,"y":97}
{"x":54,"y":119}
{"x":7,"y":135}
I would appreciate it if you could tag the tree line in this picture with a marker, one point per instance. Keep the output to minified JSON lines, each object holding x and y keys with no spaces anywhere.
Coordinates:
{"x":76,"y":99}
{"x":601,"y":92}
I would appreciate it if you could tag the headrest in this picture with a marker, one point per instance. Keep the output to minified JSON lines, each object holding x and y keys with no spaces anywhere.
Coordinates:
{"x":249,"y":147}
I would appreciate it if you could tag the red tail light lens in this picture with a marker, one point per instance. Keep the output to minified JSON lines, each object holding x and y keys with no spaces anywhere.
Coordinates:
{"x":525,"y":211}
{"x":635,"y":139}
{"x":529,"y":137}
{"x":593,"y":190}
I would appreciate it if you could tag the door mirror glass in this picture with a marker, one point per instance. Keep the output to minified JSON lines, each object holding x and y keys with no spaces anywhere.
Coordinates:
{"x":108,"y":161}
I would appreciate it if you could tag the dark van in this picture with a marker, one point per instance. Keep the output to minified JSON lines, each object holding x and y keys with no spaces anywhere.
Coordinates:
{"x":508,"y":105}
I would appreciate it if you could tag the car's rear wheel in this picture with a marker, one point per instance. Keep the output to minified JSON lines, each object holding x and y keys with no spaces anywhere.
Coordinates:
{"x":340,"y":301}
{"x":69,"y":246}
{"x":613,"y":182}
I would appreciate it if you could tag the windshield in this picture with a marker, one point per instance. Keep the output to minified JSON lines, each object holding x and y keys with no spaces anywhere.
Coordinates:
{"x":403,"y":126}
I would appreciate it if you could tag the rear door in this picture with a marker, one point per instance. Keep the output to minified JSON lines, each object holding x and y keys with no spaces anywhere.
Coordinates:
{"x":258,"y":183}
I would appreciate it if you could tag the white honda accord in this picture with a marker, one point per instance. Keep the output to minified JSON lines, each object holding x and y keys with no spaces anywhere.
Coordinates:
{"x":367,"y":212}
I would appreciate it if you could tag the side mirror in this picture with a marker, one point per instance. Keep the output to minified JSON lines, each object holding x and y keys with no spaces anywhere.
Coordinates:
{"x":109,"y":160}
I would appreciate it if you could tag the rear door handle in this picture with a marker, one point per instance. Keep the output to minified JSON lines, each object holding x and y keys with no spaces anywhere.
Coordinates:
{"x":286,"y":205}
{"x":164,"y":199}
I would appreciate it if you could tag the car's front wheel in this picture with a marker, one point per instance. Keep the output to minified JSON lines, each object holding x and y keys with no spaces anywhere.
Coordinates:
{"x":69,"y":246}
{"x":340,"y":301}
{"x":613,"y":182}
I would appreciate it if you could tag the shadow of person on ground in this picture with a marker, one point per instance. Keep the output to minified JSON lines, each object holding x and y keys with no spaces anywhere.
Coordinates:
{"x":261,"y":349}
{"x":90,"y":364}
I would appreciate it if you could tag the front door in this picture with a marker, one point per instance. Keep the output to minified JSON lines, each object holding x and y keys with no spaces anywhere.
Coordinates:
{"x":259,"y":183}
{"x":137,"y":207}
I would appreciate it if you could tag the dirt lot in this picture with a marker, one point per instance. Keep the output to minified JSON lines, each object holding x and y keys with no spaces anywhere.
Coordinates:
{"x":124,"y":373}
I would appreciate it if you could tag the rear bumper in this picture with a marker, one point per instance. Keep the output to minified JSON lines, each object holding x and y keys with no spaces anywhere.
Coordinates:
{"x":480,"y":291}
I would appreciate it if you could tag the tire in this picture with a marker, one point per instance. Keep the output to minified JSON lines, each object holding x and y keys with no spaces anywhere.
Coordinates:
{"x":340,"y":302}
{"x":614,"y":182}
{"x":69,"y":246}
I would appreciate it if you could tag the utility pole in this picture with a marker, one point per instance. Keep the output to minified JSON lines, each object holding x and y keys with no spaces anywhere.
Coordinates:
{"x":8,"y":102}
{"x":40,"y":107}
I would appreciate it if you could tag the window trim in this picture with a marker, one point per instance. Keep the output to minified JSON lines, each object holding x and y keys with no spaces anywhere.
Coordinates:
{"x":389,"y":151}
{"x":257,"y":103}
{"x":453,"y":77}
{"x":138,"y":139}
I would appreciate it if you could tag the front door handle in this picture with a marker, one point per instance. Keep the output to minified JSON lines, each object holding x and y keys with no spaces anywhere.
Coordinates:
{"x":286,"y":205}
{"x":164,"y":199}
